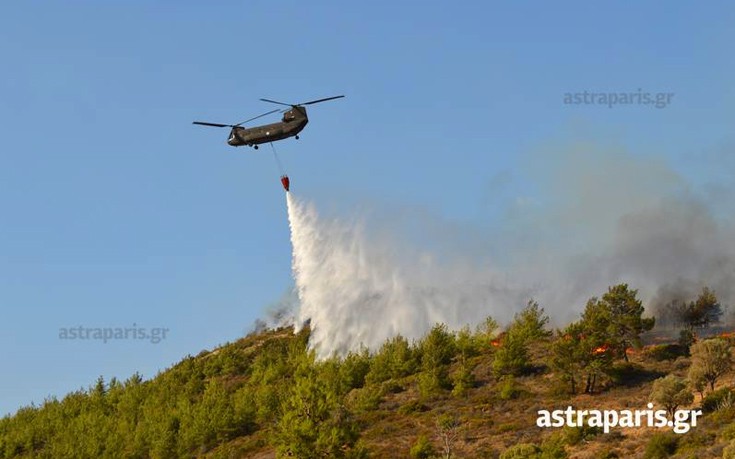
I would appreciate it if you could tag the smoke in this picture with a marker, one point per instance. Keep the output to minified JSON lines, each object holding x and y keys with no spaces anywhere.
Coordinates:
{"x":598,"y":217}
{"x":278,"y":314}
{"x":678,"y":247}
{"x":609,"y":216}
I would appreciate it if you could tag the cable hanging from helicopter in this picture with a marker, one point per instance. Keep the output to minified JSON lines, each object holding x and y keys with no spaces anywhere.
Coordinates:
{"x":285,"y":181}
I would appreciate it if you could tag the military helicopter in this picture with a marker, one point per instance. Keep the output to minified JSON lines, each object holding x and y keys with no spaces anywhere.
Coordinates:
{"x":294,"y":120}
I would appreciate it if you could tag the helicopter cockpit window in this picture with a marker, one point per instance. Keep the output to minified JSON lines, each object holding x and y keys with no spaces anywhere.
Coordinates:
{"x":288,"y":116}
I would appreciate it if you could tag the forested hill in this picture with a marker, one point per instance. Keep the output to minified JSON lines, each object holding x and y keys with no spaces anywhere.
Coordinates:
{"x":473,"y":393}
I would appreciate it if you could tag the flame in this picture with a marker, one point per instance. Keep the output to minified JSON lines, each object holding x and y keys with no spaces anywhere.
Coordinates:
{"x":495,"y":343}
{"x":630,"y":351}
{"x":601,"y":349}
{"x":727,"y":335}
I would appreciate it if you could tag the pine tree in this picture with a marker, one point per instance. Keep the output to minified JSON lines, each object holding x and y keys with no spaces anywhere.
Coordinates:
{"x":437,"y":349}
{"x":315,"y":423}
{"x":623,"y":312}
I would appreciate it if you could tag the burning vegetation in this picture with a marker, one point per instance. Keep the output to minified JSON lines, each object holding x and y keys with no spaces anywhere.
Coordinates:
{"x":601,"y":349}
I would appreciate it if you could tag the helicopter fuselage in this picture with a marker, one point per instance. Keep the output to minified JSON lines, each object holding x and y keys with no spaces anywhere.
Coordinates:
{"x":293,"y":122}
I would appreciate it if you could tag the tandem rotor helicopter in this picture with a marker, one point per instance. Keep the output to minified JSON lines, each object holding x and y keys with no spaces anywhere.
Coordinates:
{"x":294,"y":120}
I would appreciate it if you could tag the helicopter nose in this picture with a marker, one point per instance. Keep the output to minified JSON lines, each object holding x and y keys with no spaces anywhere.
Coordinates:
{"x":233,"y":139}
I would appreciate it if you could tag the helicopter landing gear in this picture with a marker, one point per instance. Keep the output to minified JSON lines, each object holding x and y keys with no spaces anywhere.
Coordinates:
{"x":255,"y":146}
{"x":297,"y":137}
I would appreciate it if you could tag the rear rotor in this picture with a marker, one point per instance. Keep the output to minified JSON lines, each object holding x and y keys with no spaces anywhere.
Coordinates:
{"x":203,"y":123}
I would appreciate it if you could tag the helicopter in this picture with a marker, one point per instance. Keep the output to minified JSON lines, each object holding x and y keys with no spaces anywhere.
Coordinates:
{"x":294,"y":120}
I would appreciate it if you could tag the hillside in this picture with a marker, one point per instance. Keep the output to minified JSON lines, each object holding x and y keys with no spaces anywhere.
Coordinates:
{"x":265,"y":395}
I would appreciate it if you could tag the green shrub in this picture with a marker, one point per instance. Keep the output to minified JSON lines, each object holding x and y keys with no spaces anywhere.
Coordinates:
{"x":728,"y":432}
{"x":553,"y":446}
{"x":522,"y":451}
{"x":729,"y":451}
{"x":366,"y":399}
{"x":661,"y":446}
{"x":576,"y":435}
{"x":413,"y":406}
{"x":662,"y":352}
{"x":719,"y":399}
{"x":558,"y":387}
{"x":422,"y":449}
{"x":508,"y":388}
{"x":724,"y":415}
{"x":508,"y":427}
{"x":608,"y":454}
{"x":391,"y":387}
{"x":696,"y":440}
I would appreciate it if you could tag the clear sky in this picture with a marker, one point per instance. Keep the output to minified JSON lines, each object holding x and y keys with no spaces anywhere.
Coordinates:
{"x":115,"y":210}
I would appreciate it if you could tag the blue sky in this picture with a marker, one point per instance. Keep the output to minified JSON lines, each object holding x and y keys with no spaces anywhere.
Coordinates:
{"x":115,"y":210}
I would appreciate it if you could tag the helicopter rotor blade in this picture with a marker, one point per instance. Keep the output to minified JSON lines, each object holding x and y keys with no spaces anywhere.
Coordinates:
{"x":321,"y":100}
{"x":201,"y":123}
{"x":276,"y":102}
{"x":256,"y":117}
{"x":303,"y":103}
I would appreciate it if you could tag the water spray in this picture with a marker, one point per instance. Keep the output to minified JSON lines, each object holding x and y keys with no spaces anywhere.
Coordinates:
{"x":356,"y":289}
